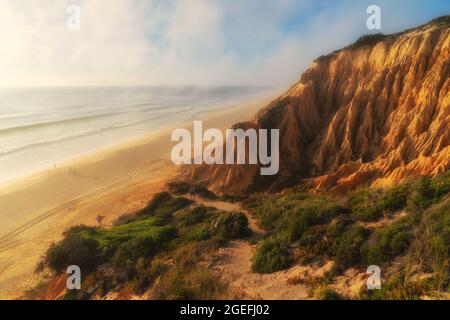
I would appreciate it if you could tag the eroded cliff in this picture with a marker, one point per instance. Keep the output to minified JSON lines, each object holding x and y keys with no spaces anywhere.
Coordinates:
{"x":376,"y":112}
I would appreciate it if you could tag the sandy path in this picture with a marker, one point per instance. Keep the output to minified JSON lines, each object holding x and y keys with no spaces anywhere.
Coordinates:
{"x":232,"y":264}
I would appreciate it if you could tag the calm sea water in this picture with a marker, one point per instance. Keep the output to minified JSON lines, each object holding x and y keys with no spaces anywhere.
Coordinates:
{"x":40,"y":127}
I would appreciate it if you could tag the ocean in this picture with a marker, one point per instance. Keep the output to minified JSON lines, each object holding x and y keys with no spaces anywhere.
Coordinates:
{"x":41,"y":127}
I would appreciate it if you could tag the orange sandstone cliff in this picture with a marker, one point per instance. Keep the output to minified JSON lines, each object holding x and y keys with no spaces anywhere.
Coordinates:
{"x":374,"y":113}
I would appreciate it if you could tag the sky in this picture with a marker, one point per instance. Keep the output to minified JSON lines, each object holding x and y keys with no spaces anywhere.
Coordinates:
{"x":185,"y":42}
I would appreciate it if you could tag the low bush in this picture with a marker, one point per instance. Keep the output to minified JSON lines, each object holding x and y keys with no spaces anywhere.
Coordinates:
{"x":202,"y":191}
{"x":368,"y":39}
{"x":198,"y":233}
{"x":314,"y":242}
{"x":74,"y":250}
{"x":231,"y":226}
{"x":388,"y":243}
{"x":324,"y":239}
{"x":146,"y":227}
{"x":397,"y":288}
{"x":164,"y":205}
{"x":203,"y":223}
{"x":88,"y":247}
{"x":146,"y":275}
{"x":310,"y":213}
{"x":348,"y":248}
{"x":441,"y":185}
{"x":370,"y":204}
{"x":432,"y":244}
{"x":134,"y":249}
{"x":181,"y":187}
{"x":187,"y":280}
{"x":273,"y":254}
{"x":178,"y":187}
{"x":196,"y":215}
{"x":294,"y":213}
{"x":421,"y":196}
{"x":326,"y":293}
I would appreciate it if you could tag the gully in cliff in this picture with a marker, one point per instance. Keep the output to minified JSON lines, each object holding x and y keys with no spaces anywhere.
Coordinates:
{"x":235,"y":144}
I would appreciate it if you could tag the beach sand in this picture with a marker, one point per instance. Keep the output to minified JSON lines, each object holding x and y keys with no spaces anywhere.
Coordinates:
{"x":35,"y":210}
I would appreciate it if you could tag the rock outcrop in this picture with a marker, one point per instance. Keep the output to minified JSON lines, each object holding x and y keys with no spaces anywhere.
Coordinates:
{"x":374,"y":113}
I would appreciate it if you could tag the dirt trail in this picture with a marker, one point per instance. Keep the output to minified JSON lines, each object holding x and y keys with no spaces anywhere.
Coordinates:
{"x":232,"y":264}
{"x":385,"y":221}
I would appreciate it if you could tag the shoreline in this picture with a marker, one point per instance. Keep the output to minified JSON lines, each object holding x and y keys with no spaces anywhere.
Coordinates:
{"x":38,"y":207}
{"x":123,"y":141}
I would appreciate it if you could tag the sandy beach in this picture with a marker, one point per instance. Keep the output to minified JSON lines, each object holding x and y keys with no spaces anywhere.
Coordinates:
{"x":36,"y":209}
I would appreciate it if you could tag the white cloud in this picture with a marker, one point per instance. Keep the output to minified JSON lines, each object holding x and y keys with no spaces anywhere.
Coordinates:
{"x":38,"y":48}
{"x":198,"y":42}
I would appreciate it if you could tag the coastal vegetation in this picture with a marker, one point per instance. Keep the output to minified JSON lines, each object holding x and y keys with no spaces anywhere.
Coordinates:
{"x":165,"y":247}
{"x":166,"y":240}
{"x":408,"y":223}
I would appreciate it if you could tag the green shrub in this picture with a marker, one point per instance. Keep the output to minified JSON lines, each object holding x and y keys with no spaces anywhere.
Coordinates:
{"x":181,"y":283}
{"x":397,"y":288}
{"x":339,"y":225}
{"x":147,"y":227}
{"x":145,"y":275}
{"x":124,"y":219}
{"x":394,"y":198}
{"x":368,"y":39}
{"x":326,"y":293}
{"x":164,"y":205}
{"x":202,"y":223}
{"x":432,"y":244}
{"x":370,"y":204}
{"x":231,"y":226}
{"x":389,"y":242}
{"x":178,"y":187}
{"x":134,"y":249}
{"x":348,"y":248}
{"x":74,"y":250}
{"x":441,"y":185}
{"x":158,"y":200}
{"x":198,"y":233}
{"x":273,"y":254}
{"x":188,"y":280}
{"x":314,"y":242}
{"x":181,"y":187}
{"x":197,"y":215}
{"x":323,"y":209}
{"x":400,"y":243}
{"x":323,"y":239}
{"x":122,"y":245}
{"x":310,"y":212}
{"x":269,"y":212}
{"x":202,"y":191}
{"x":421,"y":196}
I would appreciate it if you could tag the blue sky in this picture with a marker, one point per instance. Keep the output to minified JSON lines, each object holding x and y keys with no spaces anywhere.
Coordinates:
{"x":186,"y":42}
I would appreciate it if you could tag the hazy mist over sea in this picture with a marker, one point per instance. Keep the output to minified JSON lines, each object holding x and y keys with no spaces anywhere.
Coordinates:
{"x":40,"y":127}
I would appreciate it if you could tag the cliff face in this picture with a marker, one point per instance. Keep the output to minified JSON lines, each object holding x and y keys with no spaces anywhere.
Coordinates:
{"x":376,"y":112}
